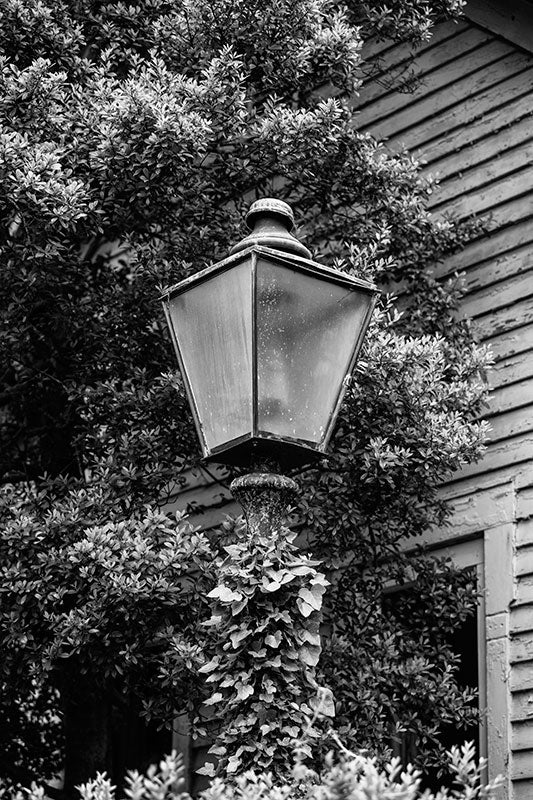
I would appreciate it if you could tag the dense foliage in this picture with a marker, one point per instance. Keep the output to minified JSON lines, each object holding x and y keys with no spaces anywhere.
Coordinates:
{"x":340,"y":775}
{"x":263,"y":671}
{"x":132,"y":138}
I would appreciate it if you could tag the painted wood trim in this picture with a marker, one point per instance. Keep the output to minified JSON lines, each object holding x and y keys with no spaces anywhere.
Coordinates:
{"x":499,"y":590}
{"x":512,"y":19}
{"x":181,"y":743}
{"x":483,"y":636}
{"x":480,"y":483}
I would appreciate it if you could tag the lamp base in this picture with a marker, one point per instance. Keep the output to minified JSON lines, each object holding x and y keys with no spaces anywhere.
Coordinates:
{"x":265,"y":498}
{"x":248,"y":452}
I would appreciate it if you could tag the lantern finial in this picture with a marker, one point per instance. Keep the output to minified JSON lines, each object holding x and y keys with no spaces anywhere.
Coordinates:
{"x":271,"y":221}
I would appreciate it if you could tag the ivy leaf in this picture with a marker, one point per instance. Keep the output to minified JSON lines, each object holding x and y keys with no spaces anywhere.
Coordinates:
{"x":210,"y":666}
{"x":301,"y":570}
{"x":305,"y":609}
{"x":215,"y":698}
{"x":208,"y":769}
{"x":309,"y":655}
{"x":312,"y":597}
{"x":244,"y":690}
{"x":237,"y":607}
{"x":311,"y":638}
{"x":324,"y":702}
{"x":271,"y":586}
{"x":273,"y":639}
{"x":238,"y":636}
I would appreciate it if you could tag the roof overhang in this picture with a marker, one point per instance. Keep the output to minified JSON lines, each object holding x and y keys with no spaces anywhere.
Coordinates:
{"x":510,"y":19}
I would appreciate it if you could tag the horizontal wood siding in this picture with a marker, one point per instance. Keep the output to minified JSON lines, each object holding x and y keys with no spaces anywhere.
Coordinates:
{"x":471,"y":120}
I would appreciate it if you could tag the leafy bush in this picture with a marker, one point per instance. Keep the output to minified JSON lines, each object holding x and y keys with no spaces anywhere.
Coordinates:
{"x":343,"y":775}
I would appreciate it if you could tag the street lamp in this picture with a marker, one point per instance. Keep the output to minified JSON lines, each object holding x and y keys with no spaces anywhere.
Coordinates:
{"x":266,"y":340}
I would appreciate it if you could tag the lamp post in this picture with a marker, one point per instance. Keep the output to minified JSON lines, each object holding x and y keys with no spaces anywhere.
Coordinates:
{"x":266,"y":340}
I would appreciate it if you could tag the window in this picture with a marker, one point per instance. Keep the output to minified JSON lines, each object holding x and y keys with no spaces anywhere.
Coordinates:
{"x":468,"y":642}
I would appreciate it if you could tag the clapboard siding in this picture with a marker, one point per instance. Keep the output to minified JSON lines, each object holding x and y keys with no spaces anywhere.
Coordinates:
{"x":443,"y":158}
{"x":484,"y":197}
{"x":380,"y":56}
{"x":435,"y":55}
{"x":505,"y":160}
{"x":472,"y":73}
{"x":498,"y":455}
{"x":523,"y":736}
{"x":478,"y":484}
{"x":509,"y":264}
{"x":524,"y":562}
{"x":513,"y":315}
{"x":469,"y":121}
{"x":512,"y":423}
{"x":473,"y":107}
{"x":458,"y":167}
{"x":516,"y":396}
{"x":522,"y":765}
{"x":501,"y":292}
{"x":523,"y":790}
{"x":486,"y":251}
{"x":522,"y":675}
{"x":511,"y":348}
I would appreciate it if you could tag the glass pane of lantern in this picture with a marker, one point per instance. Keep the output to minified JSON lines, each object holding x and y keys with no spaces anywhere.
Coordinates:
{"x":306,"y":331}
{"x":213,"y":324}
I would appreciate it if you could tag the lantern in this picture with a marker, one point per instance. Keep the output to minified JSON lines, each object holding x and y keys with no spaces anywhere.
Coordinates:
{"x":266,"y":340}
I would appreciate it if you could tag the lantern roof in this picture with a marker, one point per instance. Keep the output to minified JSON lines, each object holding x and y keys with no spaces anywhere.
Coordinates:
{"x":305,"y":265}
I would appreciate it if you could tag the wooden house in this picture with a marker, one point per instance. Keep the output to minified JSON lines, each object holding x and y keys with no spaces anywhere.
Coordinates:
{"x":470,"y":118}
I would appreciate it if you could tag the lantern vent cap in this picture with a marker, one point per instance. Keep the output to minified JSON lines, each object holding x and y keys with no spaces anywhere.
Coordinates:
{"x":271,"y":221}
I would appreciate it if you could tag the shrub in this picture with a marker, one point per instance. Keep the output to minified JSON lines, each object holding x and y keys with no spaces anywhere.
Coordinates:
{"x":342,"y":775}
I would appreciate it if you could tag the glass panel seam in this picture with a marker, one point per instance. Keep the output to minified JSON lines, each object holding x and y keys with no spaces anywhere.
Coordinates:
{"x":254,"y":343}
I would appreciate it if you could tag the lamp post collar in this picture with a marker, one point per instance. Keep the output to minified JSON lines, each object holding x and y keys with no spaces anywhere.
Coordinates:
{"x":271,"y":222}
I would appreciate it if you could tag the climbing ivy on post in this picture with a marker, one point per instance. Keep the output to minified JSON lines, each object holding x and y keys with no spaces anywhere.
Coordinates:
{"x":265,"y":618}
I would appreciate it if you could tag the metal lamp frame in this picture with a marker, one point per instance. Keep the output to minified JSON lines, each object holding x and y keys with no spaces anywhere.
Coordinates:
{"x":291,"y":451}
